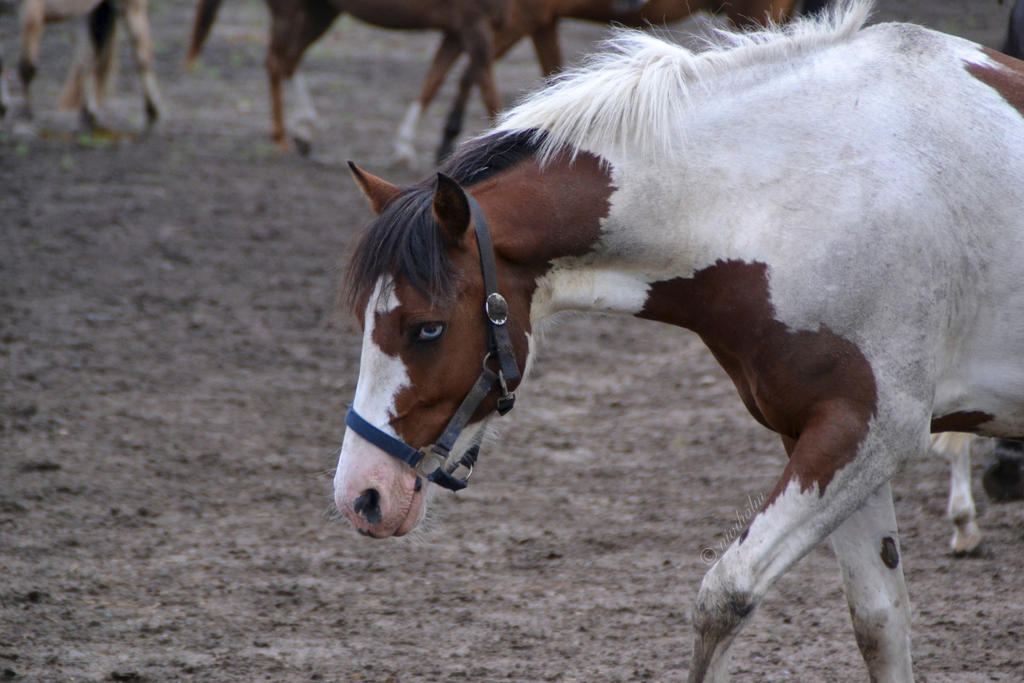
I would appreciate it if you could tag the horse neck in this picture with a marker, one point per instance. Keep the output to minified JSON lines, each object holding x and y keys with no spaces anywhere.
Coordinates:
{"x":597,"y":237}
{"x":541,"y":216}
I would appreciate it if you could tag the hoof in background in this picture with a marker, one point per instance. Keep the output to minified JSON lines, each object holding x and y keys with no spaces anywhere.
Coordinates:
{"x":1004,"y":478}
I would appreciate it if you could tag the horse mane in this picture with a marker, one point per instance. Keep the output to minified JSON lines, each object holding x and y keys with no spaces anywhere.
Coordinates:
{"x":631,"y":96}
{"x":404,"y":240}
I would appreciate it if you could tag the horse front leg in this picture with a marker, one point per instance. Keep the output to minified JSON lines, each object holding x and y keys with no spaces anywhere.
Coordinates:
{"x":33,"y":18}
{"x":868,"y":550}
{"x":547,"y":49}
{"x":291,"y":33}
{"x":4,"y":95}
{"x":840,"y":459}
{"x":136,"y":19}
{"x":444,"y":58}
{"x":479,"y":44}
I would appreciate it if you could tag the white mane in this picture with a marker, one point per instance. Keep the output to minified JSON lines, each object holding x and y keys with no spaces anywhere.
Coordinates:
{"x":631,"y":95}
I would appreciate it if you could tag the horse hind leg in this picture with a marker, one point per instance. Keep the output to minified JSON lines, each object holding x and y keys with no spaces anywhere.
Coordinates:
{"x":33,"y":18}
{"x":444,"y":58}
{"x":956,"y":448}
{"x":289,"y":39}
{"x":867,"y":548}
{"x":136,"y":19}
{"x":4,"y":95}
{"x":479,"y":44}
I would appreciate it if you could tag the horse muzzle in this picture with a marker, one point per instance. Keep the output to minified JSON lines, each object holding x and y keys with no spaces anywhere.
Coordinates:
{"x":378,"y":495}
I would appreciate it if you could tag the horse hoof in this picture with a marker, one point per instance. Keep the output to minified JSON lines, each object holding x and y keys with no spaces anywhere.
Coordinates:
{"x":966,"y":544}
{"x":1004,"y":477}
{"x":152,"y":116}
{"x":302,"y":146}
{"x":23,"y":129}
{"x":87,"y":121}
{"x":444,"y":151}
{"x":404,"y":155}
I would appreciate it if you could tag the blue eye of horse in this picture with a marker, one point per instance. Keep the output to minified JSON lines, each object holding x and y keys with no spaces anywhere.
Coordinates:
{"x":428,"y":332}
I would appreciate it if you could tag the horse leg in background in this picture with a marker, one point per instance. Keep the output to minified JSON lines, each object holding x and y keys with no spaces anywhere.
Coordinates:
{"x":33,"y":18}
{"x":304,"y":118}
{"x":1014,"y":43}
{"x":478,"y":43}
{"x":136,"y":18}
{"x":867,"y":548}
{"x":838,"y":466}
{"x":206,"y":14}
{"x":547,"y":48}
{"x":447,"y":52}
{"x":815,"y":6}
{"x":4,"y":95}
{"x":956,"y":448}
{"x":1004,"y":477}
{"x":95,"y":61}
{"x":290,"y":35}
{"x":754,"y":13}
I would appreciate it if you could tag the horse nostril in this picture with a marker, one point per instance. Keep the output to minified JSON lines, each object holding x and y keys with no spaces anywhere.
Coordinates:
{"x":368,"y":506}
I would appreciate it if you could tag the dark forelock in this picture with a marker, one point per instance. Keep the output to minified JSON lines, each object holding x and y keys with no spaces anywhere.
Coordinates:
{"x":404,"y":240}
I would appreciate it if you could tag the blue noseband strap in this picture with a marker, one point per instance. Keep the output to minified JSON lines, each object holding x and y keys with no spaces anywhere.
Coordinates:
{"x":383,"y":440}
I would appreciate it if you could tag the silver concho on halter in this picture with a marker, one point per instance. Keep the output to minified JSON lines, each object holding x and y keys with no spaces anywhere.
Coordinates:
{"x":496,"y":308}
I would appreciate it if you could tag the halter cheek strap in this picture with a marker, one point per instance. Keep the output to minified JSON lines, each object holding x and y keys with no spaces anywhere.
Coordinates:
{"x":433,"y":463}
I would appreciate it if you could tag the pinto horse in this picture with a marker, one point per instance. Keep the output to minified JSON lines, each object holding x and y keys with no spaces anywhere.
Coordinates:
{"x":671,"y":185}
{"x":95,"y":56}
{"x":539,"y":20}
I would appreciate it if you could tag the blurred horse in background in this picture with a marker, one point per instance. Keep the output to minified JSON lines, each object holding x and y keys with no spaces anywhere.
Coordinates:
{"x":483,"y":29}
{"x":95,"y":57}
{"x":539,"y":19}
{"x":1014,"y":43}
{"x":297,"y":24}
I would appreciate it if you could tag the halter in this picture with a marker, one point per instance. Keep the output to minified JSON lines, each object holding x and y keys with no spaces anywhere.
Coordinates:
{"x":433,"y":463}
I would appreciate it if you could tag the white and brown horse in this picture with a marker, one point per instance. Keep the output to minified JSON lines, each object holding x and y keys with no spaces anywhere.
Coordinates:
{"x":671,"y":185}
{"x":96,"y":24}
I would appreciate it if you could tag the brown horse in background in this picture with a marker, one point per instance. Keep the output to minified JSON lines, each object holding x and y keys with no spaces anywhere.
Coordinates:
{"x":483,"y":29}
{"x":538,"y":19}
{"x":296,"y":24}
{"x":95,"y":53}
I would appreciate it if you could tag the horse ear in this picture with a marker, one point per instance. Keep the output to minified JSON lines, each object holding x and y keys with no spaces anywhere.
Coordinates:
{"x":451,"y":209}
{"x":377,"y":190}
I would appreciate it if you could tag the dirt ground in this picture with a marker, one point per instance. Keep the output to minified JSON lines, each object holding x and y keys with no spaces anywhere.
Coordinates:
{"x":173,"y":382}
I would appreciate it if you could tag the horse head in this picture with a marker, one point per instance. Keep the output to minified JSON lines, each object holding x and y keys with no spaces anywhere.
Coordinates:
{"x":434,"y":365}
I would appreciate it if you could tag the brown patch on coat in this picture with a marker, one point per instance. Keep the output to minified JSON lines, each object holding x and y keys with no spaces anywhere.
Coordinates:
{"x":1007,"y":79}
{"x":535,"y":215}
{"x":964,"y":421}
{"x":889,"y":553}
{"x":814,"y":388}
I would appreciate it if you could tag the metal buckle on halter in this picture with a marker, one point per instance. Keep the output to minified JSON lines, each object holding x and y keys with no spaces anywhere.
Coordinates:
{"x":444,"y":475}
{"x":506,"y":399}
{"x":496,"y":308}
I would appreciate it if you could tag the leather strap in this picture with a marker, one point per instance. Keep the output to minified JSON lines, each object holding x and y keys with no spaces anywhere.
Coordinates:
{"x":382,"y":439}
{"x":500,"y":341}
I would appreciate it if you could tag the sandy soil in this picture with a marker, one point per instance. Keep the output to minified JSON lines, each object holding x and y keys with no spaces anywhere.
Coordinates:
{"x":172,"y":386}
